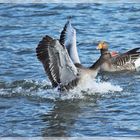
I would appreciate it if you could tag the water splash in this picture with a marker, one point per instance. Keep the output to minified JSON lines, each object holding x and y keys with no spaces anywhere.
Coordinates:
{"x":92,"y":88}
{"x":44,"y":90}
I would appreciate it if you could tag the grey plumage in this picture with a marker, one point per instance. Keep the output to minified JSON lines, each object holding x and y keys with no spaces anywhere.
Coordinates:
{"x":121,"y":62}
{"x":56,"y":62}
{"x":68,"y":39}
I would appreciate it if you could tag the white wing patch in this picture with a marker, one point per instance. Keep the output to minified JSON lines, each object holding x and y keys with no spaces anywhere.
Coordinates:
{"x":68,"y":39}
{"x":137,"y":64}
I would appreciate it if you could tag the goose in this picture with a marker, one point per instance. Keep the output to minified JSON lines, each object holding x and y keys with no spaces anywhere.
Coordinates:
{"x":128,"y":61}
{"x":58,"y":65}
{"x":113,"y":62}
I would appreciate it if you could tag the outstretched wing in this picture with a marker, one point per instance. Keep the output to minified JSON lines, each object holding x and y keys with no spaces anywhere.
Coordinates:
{"x":68,"y":39}
{"x":66,"y":35}
{"x":57,"y":63}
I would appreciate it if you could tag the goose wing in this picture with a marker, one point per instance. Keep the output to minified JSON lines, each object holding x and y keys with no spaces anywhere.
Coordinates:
{"x":133,"y":51}
{"x":68,"y":39}
{"x":66,"y":35}
{"x":126,"y":60}
{"x":63,"y":35}
{"x":57,"y":63}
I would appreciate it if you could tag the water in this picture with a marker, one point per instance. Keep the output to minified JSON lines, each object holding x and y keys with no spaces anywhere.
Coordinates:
{"x":28,"y":104}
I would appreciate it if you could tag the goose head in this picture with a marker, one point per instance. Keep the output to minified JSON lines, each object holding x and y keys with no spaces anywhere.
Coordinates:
{"x":102,"y":46}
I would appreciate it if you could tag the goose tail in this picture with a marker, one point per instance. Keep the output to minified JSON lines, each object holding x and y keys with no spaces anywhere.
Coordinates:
{"x":137,"y":64}
{"x":135,"y":54}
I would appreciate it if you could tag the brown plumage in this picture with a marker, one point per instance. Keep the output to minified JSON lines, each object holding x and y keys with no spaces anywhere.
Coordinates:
{"x":59,"y":67}
{"x":128,"y":61}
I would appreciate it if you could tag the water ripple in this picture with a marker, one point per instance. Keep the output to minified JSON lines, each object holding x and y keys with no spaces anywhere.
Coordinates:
{"x":28,"y":104}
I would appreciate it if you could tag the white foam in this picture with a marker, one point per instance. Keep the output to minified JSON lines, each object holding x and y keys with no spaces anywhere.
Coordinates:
{"x":39,"y":89}
{"x":99,"y":86}
{"x":91,"y":88}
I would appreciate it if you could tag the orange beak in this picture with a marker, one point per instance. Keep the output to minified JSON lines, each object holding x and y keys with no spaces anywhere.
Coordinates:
{"x":100,"y":46}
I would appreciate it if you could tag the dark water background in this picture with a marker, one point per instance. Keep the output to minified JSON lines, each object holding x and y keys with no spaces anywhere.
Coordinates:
{"x":28,"y":104}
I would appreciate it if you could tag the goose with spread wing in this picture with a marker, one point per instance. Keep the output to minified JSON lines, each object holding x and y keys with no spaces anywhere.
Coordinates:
{"x":60,"y":68}
{"x":61,"y":61}
{"x":128,"y":61}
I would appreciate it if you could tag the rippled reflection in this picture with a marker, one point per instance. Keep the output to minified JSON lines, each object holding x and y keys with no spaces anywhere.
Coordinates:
{"x":28,"y":104}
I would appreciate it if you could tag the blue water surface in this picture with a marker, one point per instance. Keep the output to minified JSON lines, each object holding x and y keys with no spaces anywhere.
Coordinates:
{"x":28,"y":104}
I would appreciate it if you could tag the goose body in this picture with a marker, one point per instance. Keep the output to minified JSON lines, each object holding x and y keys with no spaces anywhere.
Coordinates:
{"x":128,"y":61}
{"x":60,"y":68}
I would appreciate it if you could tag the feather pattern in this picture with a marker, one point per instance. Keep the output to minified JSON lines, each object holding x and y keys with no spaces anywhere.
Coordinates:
{"x":129,"y":60}
{"x":61,"y":61}
{"x":57,"y":63}
{"x":68,"y":39}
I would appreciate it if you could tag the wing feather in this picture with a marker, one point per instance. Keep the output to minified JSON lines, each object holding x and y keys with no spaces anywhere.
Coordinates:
{"x":133,"y":51}
{"x":126,"y":61}
{"x":68,"y":39}
{"x":57,"y":63}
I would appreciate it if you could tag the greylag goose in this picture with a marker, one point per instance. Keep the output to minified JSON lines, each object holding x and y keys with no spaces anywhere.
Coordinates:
{"x":128,"y":61}
{"x":60,"y":68}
